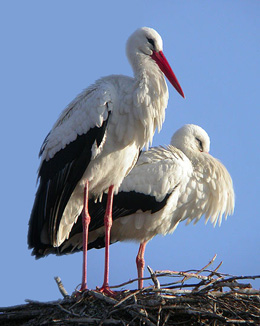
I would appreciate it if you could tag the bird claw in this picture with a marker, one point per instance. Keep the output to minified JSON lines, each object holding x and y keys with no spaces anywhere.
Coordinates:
{"x":83,"y":288}
{"x":105,"y":289}
{"x":79,"y":292}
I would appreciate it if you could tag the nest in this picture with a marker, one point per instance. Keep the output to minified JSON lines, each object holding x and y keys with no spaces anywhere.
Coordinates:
{"x":194,"y":297}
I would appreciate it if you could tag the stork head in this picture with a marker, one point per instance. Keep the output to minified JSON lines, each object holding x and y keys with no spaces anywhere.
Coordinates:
{"x":191,"y":138}
{"x":146,"y":44}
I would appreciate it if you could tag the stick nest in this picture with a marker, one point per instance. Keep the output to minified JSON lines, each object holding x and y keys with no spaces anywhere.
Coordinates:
{"x":194,"y":297}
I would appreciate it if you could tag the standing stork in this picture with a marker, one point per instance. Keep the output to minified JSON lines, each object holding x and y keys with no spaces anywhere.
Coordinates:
{"x":167,"y":185}
{"x":95,"y":143}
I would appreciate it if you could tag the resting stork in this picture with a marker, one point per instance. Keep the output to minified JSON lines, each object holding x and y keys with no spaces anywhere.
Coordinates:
{"x":167,"y":185}
{"x":95,"y":143}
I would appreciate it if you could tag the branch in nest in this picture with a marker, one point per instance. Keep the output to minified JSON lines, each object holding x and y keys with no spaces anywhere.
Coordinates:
{"x":61,"y":287}
{"x":154,"y":278}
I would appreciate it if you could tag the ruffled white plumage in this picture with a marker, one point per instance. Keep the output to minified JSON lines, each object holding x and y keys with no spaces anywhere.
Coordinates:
{"x":198,"y":185}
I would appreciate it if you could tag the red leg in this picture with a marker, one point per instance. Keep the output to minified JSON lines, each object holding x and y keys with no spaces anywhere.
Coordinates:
{"x":108,"y":224}
{"x":85,"y":224}
{"x":140,"y":264}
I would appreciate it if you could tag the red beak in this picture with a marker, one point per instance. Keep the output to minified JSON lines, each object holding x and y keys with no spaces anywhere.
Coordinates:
{"x":163,"y":64}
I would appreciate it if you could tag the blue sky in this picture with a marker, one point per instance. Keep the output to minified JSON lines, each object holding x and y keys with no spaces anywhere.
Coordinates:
{"x":51,"y":50}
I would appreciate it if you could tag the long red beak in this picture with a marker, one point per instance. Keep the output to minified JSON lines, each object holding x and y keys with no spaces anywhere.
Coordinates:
{"x":162,"y":62}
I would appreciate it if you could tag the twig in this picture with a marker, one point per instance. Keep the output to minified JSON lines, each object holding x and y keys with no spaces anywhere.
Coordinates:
{"x":186,"y":275}
{"x":88,"y":321}
{"x":154,"y":278}
{"x":144,"y":315}
{"x":61,"y":287}
{"x":247,"y":292}
{"x":129,"y":282}
{"x":68,"y":311}
{"x":166,"y":318}
{"x":39,"y":303}
{"x":136,"y":311}
{"x":171,"y":291}
{"x":219,"y":282}
{"x":214,"y":272}
{"x":103,"y":297}
{"x":203,"y":268}
{"x":129,"y":296}
{"x":159,"y":316}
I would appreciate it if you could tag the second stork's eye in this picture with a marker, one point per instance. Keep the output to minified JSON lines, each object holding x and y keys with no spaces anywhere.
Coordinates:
{"x":200,"y":144}
{"x":151,"y":41}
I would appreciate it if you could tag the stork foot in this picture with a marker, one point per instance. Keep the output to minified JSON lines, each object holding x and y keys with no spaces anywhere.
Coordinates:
{"x":83,"y":287}
{"x":80,"y":293}
{"x":106,"y":290}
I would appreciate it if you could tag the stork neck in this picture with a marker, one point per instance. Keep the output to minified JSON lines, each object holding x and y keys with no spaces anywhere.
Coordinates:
{"x":150,"y":79}
{"x":150,"y":97}
{"x":147,"y":71}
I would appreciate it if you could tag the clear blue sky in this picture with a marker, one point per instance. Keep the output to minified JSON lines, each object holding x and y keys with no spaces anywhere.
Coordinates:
{"x":51,"y":50}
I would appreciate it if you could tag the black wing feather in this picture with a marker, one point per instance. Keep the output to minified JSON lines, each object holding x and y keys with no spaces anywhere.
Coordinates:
{"x":124,"y":203}
{"x":58,"y":179}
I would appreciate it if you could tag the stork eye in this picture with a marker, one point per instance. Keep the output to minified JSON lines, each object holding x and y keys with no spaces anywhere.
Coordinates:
{"x":151,"y":41}
{"x":200,"y":144}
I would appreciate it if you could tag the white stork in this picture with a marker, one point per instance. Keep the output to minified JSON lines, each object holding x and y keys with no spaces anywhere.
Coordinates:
{"x":167,"y":185}
{"x":96,"y":142}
